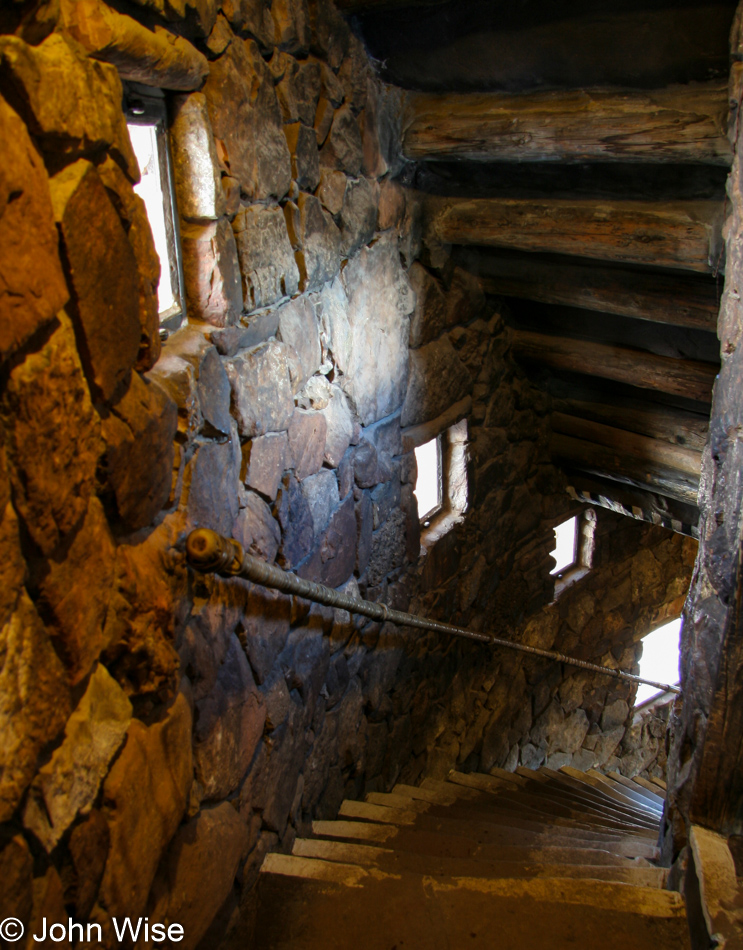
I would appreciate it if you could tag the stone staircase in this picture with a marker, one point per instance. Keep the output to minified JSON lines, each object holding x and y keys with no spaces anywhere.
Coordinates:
{"x":539,"y":860}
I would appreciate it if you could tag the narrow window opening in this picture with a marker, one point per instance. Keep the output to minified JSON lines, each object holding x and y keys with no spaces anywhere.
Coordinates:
{"x":428,"y":487}
{"x":147,"y":125}
{"x":565,"y":551}
{"x":573,"y":549}
{"x":660,"y":660}
{"x":441,"y":491}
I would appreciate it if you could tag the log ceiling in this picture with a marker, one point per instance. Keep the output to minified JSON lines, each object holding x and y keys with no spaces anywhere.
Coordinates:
{"x":678,"y":124}
{"x":573,"y":155}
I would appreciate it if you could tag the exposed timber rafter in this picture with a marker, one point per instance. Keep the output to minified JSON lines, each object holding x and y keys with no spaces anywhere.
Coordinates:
{"x":679,"y":299}
{"x":677,"y":124}
{"x":680,"y":234}
{"x":658,"y":422}
{"x":688,"y":378}
{"x":369,"y":6}
{"x":645,"y":449}
{"x":622,"y":466}
{"x":640,"y":504}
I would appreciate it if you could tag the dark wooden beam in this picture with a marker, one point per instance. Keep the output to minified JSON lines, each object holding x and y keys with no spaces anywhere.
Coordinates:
{"x":658,"y":422}
{"x":687,"y":378}
{"x":621,"y":466}
{"x":370,"y":6}
{"x":641,"y":504}
{"x":682,"y":234}
{"x":676,"y":124}
{"x":679,"y":300}
{"x":641,"y":447}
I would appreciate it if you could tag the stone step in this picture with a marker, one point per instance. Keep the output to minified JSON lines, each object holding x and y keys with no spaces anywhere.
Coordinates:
{"x":482,"y":810}
{"x":590,"y":779}
{"x":584,"y":787}
{"x":387,"y":859}
{"x":511,"y":806}
{"x":583,"y":791}
{"x":653,"y":786}
{"x":553,"y":808}
{"x":655,"y":799}
{"x":531,"y":791}
{"x":623,"y":790}
{"x":442,"y":796}
{"x":588,"y":797}
{"x":489,"y":833}
{"x":312,"y":904}
{"x":446,"y":844}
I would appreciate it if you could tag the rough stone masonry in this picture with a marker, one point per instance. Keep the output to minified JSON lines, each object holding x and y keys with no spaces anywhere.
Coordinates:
{"x":160,"y":732}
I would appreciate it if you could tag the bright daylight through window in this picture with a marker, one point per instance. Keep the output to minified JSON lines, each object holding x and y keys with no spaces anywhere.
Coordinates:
{"x":565,"y":551}
{"x":428,"y":485}
{"x":660,"y":659}
{"x":150,"y":190}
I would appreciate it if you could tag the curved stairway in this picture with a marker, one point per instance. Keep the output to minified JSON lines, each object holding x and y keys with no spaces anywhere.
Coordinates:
{"x":536,"y":860}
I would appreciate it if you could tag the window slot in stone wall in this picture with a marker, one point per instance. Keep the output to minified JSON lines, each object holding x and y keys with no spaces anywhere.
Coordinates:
{"x":146,"y":118}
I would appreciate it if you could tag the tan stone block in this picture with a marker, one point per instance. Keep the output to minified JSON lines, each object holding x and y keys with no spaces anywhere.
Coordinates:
{"x":155,"y":57}
{"x":32,"y":284}
{"x":52,"y":439}
{"x":332,"y":190}
{"x":269,"y":270}
{"x":307,"y":433}
{"x":197,"y":872}
{"x":75,"y":593}
{"x":229,"y":724}
{"x":133,"y":213}
{"x":68,"y":784}
{"x":12,"y":564}
{"x":391,"y":204}
{"x":343,"y":148}
{"x":302,"y":143}
{"x":145,"y":796}
{"x":263,"y":460}
{"x":140,"y":624}
{"x":139,"y":438}
{"x":34,"y":701}
{"x":195,"y":164}
{"x":291,"y":23}
{"x":211,"y":273}
{"x":246,"y":121}
{"x":104,"y":276}
{"x":71,"y":103}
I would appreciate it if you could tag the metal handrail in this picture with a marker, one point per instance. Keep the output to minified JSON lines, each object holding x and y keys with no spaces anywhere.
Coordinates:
{"x":209,"y":552}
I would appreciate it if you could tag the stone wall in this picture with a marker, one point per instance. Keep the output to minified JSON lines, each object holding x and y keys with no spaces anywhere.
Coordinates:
{"x":505,"y":709}
{"x":161,"y":731}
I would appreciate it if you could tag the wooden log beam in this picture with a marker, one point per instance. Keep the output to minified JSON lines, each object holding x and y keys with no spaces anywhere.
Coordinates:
{"x":610,"y":463}
{"x":640,"y":503}
{"x":677,"y":124}
{"x":687,"y":378}
{"x":679,"y":300}
{"x":641,"y":447}
{"x":681,"y":234}
{"x":671,"y":425}
{"x":370,"y":6}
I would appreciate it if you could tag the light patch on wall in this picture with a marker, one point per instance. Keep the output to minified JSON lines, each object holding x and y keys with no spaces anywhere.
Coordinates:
{"x":565,"y":551}
{"x":428,"y":484}
{"x":660,"y":659}
{"x":150,"y":190}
